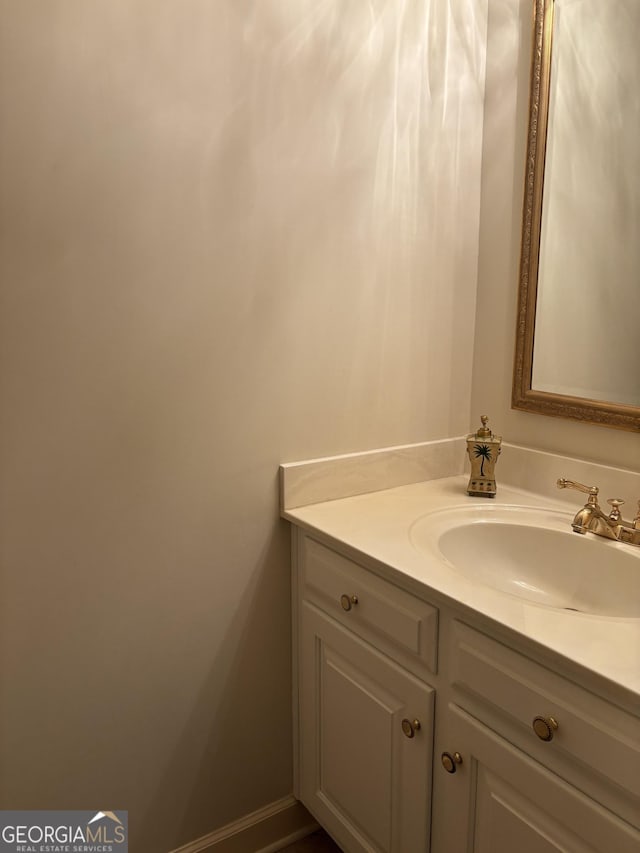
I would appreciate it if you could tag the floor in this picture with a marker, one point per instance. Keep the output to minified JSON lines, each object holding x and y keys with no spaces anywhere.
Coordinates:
{"x":319,"y":842}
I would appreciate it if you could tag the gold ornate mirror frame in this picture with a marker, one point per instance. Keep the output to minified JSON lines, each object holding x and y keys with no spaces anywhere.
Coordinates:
{"x":524,"y":397}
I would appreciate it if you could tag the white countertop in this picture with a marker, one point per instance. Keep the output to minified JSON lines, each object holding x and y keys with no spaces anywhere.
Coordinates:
{"x":375,"y":526}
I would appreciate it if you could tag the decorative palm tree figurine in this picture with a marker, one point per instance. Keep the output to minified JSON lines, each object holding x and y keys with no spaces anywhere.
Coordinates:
{"x":483,"y":448}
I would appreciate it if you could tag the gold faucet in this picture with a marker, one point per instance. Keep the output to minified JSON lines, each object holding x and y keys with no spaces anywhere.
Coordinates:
{"x":591,"y":519}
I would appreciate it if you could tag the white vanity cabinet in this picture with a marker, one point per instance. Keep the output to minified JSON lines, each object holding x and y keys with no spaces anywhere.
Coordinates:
{"x":500,"y":800}
{"x":365,"y":710}
{"x":546,"y":765}
{"x":385,"y":681}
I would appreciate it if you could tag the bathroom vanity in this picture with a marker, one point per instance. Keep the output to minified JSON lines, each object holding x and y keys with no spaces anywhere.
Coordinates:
{"x":435,"y":711}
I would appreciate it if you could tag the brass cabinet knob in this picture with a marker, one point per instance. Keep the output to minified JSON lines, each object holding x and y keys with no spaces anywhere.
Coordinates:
{"x":347,"y":601}
{"x":409,"y":727}
{"x":450,"y":762}
{"x":545,"y":727}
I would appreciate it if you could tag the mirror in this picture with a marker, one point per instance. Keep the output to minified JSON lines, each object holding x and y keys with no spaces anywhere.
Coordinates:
{"x":578,"y":330}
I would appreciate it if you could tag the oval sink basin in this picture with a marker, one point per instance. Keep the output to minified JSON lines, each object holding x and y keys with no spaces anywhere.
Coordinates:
{"x":534,"y":554}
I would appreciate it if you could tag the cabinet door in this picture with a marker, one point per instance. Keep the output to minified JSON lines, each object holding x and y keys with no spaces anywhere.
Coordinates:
{"x":364,"y":778}
{"x":499,"y":801}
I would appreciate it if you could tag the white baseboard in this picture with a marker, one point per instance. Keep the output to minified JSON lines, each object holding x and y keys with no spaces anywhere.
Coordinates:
{"x":264,"y":831}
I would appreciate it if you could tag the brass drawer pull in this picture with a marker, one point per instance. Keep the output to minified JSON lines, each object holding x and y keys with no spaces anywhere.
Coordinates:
{"x":545,"y":727}
{"x":410,"y":728}
{"x":347,"y":601}
{"x":450,"y":762}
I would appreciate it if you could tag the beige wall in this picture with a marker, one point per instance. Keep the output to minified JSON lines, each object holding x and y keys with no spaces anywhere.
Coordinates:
{"x":505,"y":125}
{"x":233,"y":234}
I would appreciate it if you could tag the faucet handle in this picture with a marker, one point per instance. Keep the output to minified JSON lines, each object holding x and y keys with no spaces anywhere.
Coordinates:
{"x":615,"y":503}
{"x":636,"y":520}
{"x":592,"y":491}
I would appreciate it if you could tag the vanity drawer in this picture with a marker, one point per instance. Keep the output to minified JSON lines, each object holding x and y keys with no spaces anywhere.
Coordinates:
{"x":597,"y":734}
{"x":391,"y":619}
